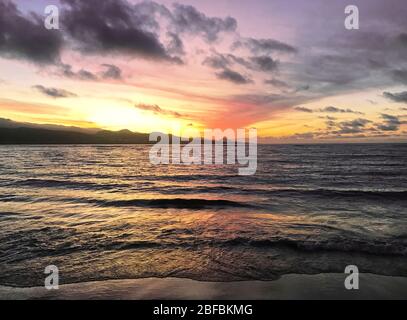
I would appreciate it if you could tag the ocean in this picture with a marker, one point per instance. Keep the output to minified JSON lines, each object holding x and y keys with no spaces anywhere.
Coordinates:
{"x":103,"y":212}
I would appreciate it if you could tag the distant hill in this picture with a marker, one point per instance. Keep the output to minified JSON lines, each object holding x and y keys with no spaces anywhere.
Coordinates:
{"x":13,"y":132}
{"x":27,"y":135}
{"x":7,"y":123}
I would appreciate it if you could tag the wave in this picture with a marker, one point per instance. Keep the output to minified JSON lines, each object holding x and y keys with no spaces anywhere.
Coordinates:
{"x":50,"y":183}
{"x":389,"y":247}
{"x":384,"y":248}
{"x":338,"y":193}
{"x":177,"y":203}
{"x":14,"y":198}
{"x":261,"y":188}
{"x":292,"y":192}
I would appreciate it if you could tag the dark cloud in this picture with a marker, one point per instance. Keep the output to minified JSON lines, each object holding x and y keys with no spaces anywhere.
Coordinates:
{"x":82,"y":74}
{"x":149,"y":107}
{"x":351,"y":127}
{"x":233,"y":76}
{"x":226,"y":61}
{"x":187,"y":19}
{"x":54,"y":92}
{"x":99,"y":27}
{"x":371,"y":58}
{"x":109,"y":71}
{"x":269,"y":102}
{"x":264,"y":46}
{"x":328,"y":118}
{"x":330,"y":124}
{"x":359,"y":126}
{"x":400,"y":75}
{"x":277,"y":83}
{"x":218,"y":61}
{"x":112,"y":72}
{"x":304,"y":109}
{"x":332,"y":109}
{"x":329,"y":109}
{"x":334,"y":70}
{"x":147,"y":12}
{"x":25,"y":37}
{"x":176,"y":46}
{"x":402,"y":39}
{"x":263,"y":63}
{"x":112,"y":26}
{"x":302,"y":88}
{"x":223,"y":61}
{"x":157,"y":110}
{"x":390,"y":123}
{"x":397,"y":96}
{"x":86,"y":75}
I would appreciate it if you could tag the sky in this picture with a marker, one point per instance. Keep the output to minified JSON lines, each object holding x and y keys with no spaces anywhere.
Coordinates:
{"x":289,"y":68}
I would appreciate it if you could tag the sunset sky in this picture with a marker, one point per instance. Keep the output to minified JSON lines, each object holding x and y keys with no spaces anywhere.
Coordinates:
{"x":286,"y":67}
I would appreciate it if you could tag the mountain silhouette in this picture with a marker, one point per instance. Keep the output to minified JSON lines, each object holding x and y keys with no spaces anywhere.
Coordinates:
{"x":25,"y":133}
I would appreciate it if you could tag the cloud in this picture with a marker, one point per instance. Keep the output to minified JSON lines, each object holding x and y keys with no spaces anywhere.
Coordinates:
{"x":328,"y":118}
{"x":396,"y":97}
{"x":107,"y":27}
{"x":402,"y":39}
{"x":353,"y":126}
{"x":24,"y":37}
{"x":218,"y":61}
{"x":391,"y":123}
{"x":329,"y":109}
{"x":176,"y":46}
{"x":112,"y":72}
{"x":371,"y":101}
{"x":358,"y":127}
{"x":332,"y":109}
{"x":347,"y":127}
{"x":400,"y":75}
{"x":187,"y":19}
{"x":226,"y":61}
{"x":149,"y":107}
{"x":112,"y":26}
{"x":263,"y":63}
{"x":302,"y":88}
{"x":305,"y":135}
{"x":82,"y":74}
{"x":277,"y":83}
{"x":233,"y":76}
{"x":86,"y":75}
{"x":54,"y":92}
{"x":223,"y":61}
{"x":304,"y":109}
{"x":264,"y":46}
{"x":157,"y":110}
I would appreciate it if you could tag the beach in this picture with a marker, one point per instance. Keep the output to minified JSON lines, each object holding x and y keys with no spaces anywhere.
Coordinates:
{"x":308,"y":287}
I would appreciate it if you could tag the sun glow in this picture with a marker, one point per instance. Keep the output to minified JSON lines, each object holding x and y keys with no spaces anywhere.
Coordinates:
{"x":119,"y":118}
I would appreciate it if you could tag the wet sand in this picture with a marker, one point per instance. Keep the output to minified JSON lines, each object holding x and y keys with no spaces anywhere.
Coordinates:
{"x":321,"y":286}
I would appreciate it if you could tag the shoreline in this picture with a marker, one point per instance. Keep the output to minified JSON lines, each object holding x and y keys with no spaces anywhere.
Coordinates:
{"x":292,"y":286}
